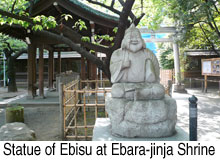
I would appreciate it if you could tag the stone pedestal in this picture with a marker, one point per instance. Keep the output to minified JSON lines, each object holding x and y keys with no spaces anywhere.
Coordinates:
{"x":102,"y":132}
{"x":143,"y":118}
{"x":179,"y":88}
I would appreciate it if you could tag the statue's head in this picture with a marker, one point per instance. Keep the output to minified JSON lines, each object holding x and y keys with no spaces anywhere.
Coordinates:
{"x":133,"y":40}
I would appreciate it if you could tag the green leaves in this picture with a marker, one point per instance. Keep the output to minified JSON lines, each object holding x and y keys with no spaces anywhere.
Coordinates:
{"x":43,"y":22}
{"x":103,"y":37}
{"x":80,"y":25}
{"x":20,"y":9}
{"x":66,"y":16}
{"x":85,"y":39}
{"x":115,"y":30}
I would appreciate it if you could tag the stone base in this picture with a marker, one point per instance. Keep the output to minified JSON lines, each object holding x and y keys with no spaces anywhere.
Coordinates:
{"x":102,"y":132}
{"x":178,"y":88}
{"x":142,"y":118}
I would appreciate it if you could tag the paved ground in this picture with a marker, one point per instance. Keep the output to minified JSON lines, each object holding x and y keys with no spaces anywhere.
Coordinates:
{"x":44,"y":120}
{"x":42,"y":115}
{"x":5,"y":96}
{"x":208,"y":113}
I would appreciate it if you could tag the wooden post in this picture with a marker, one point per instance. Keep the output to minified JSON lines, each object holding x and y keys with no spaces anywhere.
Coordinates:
{"x":31,"y":71}
{"x":83,"y":69}
{"x":34,"y":64}
{"x":51,"y":69}
{"x":205,"y":88}
{"x":62,"y":117}
{"x":89,"y":68}
{"x":94,"y":72}
{"x":92,"y":67}
{"x":41,"y":72}
{"x":59,"y":62}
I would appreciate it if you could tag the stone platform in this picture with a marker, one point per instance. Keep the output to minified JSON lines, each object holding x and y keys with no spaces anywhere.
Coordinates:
{"x":102,"y":132}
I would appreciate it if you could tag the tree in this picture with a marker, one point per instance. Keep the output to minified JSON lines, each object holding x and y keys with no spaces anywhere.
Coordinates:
{"x":12,"y":49}
{"x":17,"y":14}
{"x":198,"y":22}
{"x":166,"y":56}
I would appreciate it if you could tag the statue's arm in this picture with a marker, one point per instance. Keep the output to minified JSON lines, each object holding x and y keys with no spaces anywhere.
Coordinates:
{"x":119,"y":57}
{"x":155,"y":62}
{"x":117,"y":65}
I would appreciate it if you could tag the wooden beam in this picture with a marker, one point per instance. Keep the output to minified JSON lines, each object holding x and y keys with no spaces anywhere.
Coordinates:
{"x":41,"y":71}
{"x":51,"y":69}
{"x":40,"y":40}
{"x":160,"y":30}
{"x":31,"y":69}
{"x":41,"y":6}
{"x":148,"y":40}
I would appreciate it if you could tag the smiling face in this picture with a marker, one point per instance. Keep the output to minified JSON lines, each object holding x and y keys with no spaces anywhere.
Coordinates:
{"x":133,"y":41}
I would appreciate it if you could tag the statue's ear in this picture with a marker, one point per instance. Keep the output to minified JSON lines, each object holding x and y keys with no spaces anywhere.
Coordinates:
{"x":123,"y":44}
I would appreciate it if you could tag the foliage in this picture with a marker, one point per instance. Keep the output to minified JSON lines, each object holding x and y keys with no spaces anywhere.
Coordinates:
{"x":19,"y":7}
{"x":80,"y":25}
{"x":166,"y":56}
{"x":198,"y":22}
{"x":15,"y":45}
{"x":66,"y":16}
{"x":85,"y":39}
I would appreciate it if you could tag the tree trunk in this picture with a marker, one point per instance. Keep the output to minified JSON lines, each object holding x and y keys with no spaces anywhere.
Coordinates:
{"x":12,"y":87}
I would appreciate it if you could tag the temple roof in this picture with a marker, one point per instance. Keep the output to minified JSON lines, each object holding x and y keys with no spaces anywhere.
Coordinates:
{"x":200,"y":52}
{"x":78,"y":8}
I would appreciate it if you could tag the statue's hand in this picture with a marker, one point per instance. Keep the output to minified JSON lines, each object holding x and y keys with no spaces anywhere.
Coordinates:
{"x":140,"y":93}
{"x":126,"y":64}
{"x":130,"y":95}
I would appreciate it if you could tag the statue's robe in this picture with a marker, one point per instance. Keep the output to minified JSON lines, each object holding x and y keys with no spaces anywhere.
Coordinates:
{"x":143,"y":67}
{"x":135,"y":75}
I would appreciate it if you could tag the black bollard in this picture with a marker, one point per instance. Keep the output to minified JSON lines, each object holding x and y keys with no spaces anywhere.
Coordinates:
{"x":193,"y":118}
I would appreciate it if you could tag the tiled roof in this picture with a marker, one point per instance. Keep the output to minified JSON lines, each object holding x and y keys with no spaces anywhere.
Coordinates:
{"x":91,"y":10}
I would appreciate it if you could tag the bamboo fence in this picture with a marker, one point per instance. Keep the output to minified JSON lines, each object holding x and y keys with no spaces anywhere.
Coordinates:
{"x":83,"y":101}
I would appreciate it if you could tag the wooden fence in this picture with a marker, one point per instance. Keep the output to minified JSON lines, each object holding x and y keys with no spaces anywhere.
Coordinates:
{"x":82,"y":103}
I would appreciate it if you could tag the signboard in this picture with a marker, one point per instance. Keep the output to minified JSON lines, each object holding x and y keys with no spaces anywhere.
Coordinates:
{"x":211,"y":67}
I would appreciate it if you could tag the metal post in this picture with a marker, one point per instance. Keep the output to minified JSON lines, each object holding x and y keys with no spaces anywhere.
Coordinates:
{"x":190,"y":82}
{"x":193,"y":118}
{"x":4,"y":79}
{"x":202,"y":86}
{"x":101,"y":73}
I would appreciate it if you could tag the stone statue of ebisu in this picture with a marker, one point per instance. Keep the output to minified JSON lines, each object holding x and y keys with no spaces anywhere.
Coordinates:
{"x":138,"y":106}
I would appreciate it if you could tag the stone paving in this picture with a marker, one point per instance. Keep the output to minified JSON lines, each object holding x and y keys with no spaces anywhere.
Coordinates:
{"x":40,"y":115}
{"x":44,"y":119}
{"x":208,"y":113}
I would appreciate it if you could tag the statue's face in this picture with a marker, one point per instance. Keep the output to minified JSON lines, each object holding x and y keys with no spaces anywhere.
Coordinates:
{"x":134,"y":42}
